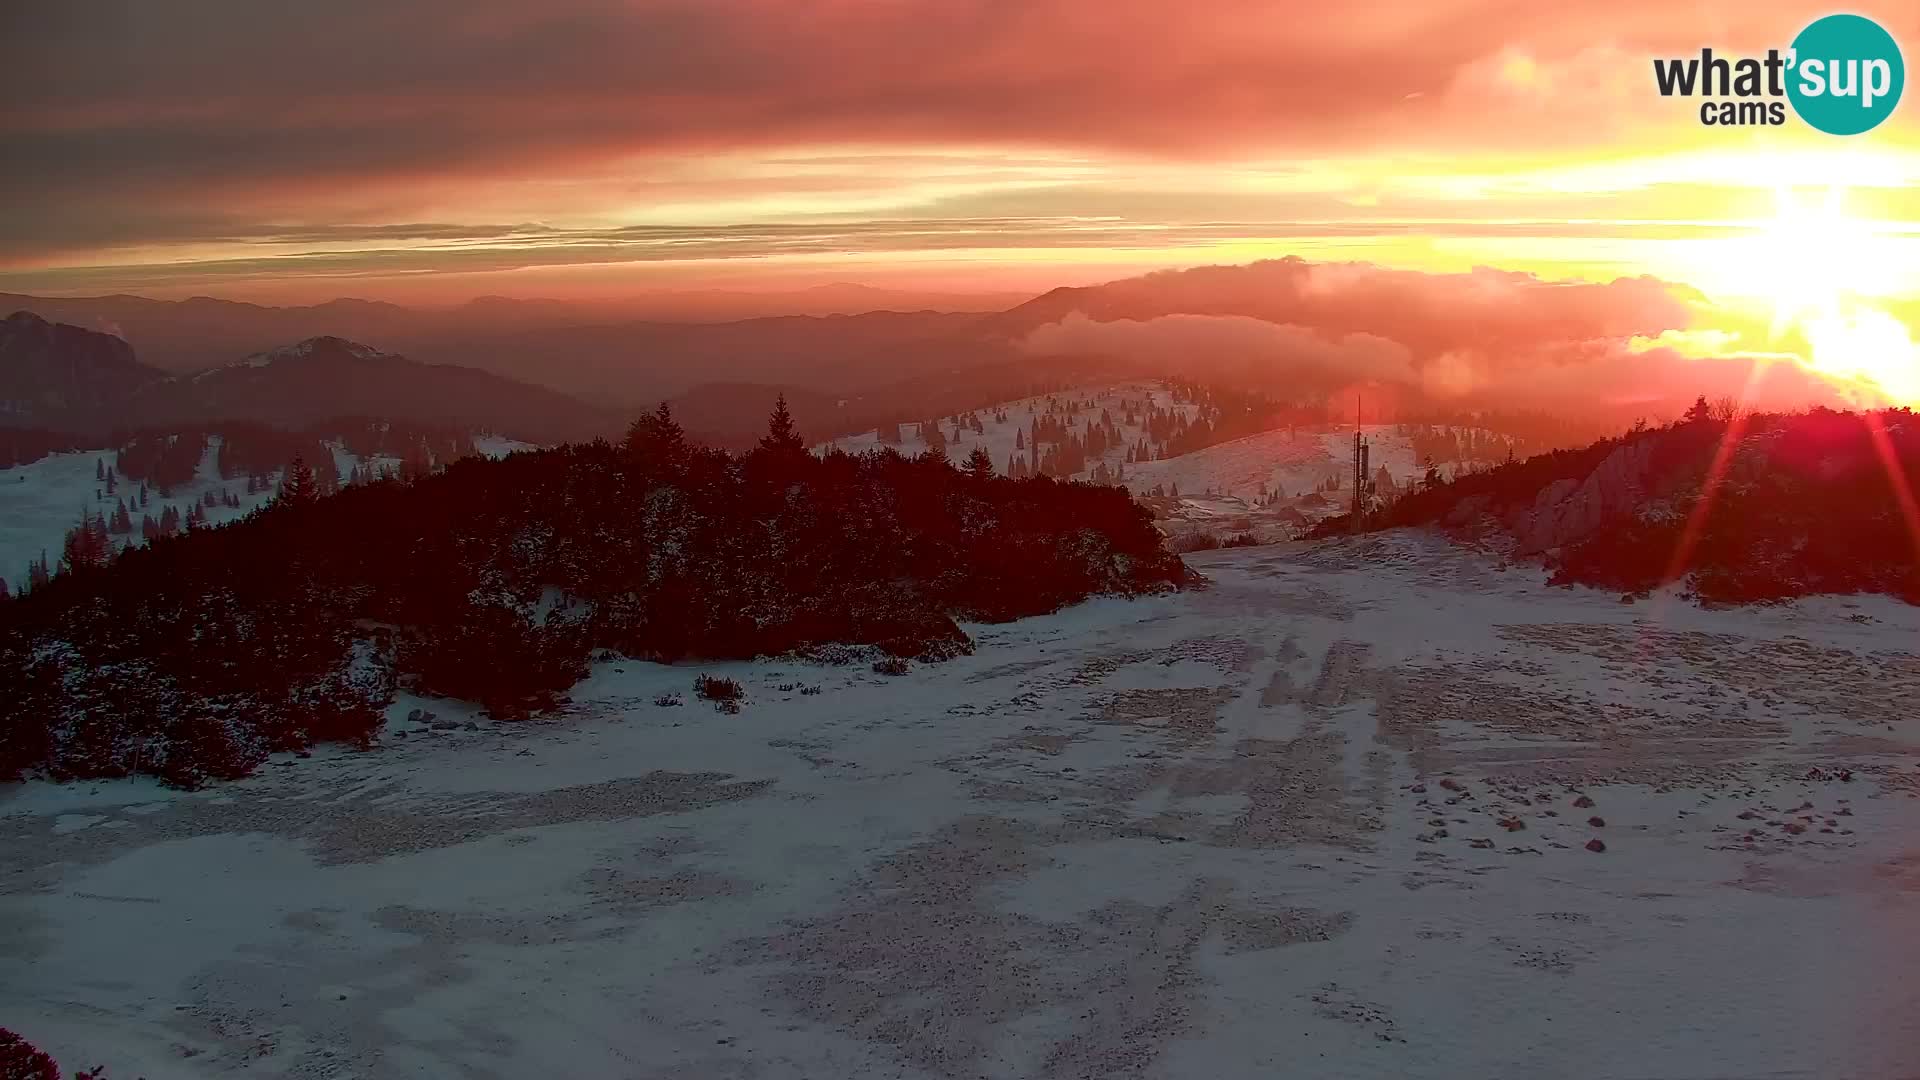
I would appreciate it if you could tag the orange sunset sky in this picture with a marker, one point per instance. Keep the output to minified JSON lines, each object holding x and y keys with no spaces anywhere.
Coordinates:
{"x":435,"y":150}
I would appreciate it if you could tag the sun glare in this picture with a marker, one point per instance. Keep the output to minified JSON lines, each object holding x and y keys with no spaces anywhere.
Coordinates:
{"x":1816,"y":266}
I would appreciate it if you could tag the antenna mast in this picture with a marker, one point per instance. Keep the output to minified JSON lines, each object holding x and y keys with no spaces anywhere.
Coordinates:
{"x":1360,"y":456}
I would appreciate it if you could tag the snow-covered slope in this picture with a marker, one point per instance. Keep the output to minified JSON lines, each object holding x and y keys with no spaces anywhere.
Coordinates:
{"x":1328,"y":818}
{"x":1291,"y":461}
{"x":1218,"y":485}
{"x":39,"y":502}
{"x":999,"y":438}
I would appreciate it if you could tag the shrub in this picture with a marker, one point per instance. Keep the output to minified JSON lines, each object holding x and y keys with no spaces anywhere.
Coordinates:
{"x":21,"y":1060}
{"x":1195,"y":541}
{"x":891,"y":665}
{"x":667,"y":700}
{"x":719,"y":691}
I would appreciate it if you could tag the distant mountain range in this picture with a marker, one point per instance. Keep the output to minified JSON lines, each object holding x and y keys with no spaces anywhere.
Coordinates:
{"x":1281,"y":326}
{"x":56,"y":370}
{"x":839,"y":340}
{"x":64,"y":377}
{"x":190,"y":335}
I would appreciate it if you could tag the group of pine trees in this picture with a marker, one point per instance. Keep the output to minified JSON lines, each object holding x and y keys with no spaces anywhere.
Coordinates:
{"x":1800,"y":504}
{"x":165,"y":461}
{"x":1449,"y":444}
{"x":24,"y":446}
{"x":194,"y":656}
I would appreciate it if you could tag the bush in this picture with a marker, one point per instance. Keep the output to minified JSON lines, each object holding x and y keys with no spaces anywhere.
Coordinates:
{"x":21,"y":1060}
{"x":720,"y":691}
{"x":666,"y":701}
{"x":891,"y":665}
{"x":1195,"y":541}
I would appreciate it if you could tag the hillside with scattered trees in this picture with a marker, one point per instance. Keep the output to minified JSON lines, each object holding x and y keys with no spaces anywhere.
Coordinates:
{"x":1743,"y":507}
{"x":194,"y":656}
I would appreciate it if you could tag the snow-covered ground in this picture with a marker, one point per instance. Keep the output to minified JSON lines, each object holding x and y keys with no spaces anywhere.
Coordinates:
{"x":498,"y":446}
{"x":1221,"y":484}
{"x":1221,"y":487}
{"x":1290,"y":461}
{"x":40,"y":501}
{"x":1326,"y":819}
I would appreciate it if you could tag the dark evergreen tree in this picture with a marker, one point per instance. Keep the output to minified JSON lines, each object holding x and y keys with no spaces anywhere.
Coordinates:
{"x":657,"y":439}
{"x":87,"y":546}
{"x":980,"y":463}
{"x":298,"y":488}
{"x":781,"y":438}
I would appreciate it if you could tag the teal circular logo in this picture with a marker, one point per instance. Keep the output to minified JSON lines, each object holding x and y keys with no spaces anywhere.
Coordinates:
{"x":1846,"y":74}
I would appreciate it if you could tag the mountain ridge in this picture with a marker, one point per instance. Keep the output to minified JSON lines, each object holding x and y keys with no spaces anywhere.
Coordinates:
{"x":60,"y":376}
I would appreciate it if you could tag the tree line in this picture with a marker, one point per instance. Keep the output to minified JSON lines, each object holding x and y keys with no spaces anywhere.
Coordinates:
{"x":196,"y":655}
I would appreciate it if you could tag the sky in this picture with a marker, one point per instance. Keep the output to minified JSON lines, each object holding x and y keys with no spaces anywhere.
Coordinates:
{"x":435,"y":150}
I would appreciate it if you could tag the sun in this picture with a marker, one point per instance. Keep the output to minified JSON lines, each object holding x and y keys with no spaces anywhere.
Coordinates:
{"x":1814,"y":258}
{"x":1816,"y":267}
{"x":1868,"y":349}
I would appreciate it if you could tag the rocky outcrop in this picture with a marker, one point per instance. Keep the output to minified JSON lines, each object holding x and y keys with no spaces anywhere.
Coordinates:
{"x":1568,"y":510}
{"x":53,"y":374}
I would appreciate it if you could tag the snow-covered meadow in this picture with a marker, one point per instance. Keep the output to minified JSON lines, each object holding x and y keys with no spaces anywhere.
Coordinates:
{"x":40,"y":501}
{"x":1329,"y":817}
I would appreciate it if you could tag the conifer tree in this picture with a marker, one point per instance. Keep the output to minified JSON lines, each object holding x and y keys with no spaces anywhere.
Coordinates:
{"x":87,"y":546}
{"x":781,"y":438}
{"x":657,"y":438}
{"x":298,"y":489}
{"x":980,"y":463}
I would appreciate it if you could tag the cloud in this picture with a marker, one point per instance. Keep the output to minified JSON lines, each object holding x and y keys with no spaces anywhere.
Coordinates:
{"x":1484,"y":340}
{"x":1501,"y":315}
{"x":118,"y":110}
{"x":1224,"y":342}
